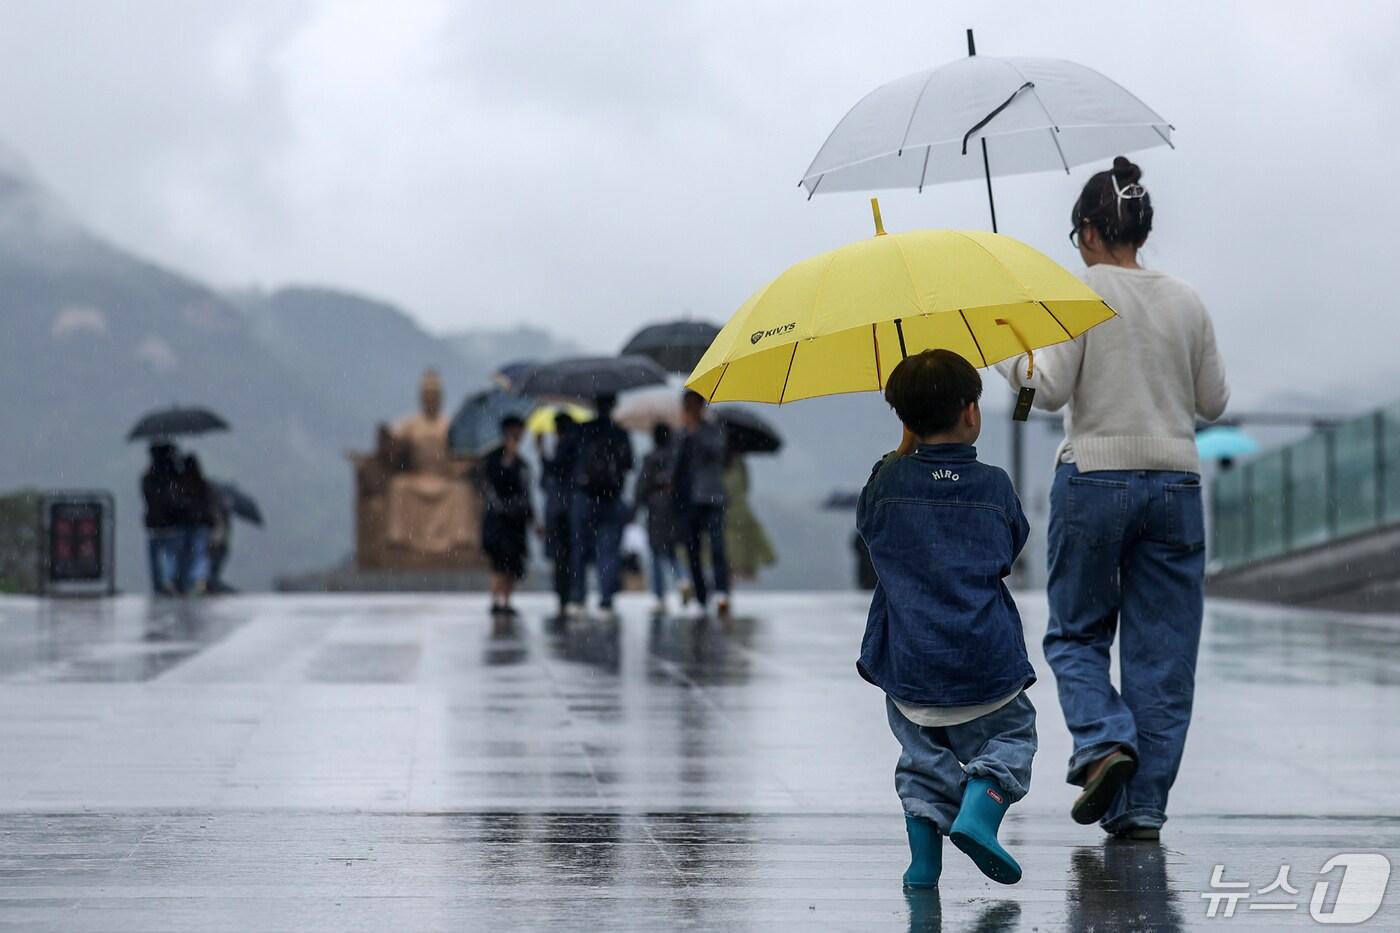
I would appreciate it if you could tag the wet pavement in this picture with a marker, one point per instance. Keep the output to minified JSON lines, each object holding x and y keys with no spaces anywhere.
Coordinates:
{"x":399,"y":762}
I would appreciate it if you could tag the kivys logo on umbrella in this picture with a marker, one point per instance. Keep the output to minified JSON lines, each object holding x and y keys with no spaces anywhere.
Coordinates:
{"x":778,"y":331}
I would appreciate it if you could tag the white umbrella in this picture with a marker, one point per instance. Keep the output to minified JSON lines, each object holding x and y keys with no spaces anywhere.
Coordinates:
{"x":644,"y":409}
{"x":982,"y":116}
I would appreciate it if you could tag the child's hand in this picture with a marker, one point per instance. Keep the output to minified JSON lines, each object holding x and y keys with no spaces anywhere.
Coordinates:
{"x":908,"y":444}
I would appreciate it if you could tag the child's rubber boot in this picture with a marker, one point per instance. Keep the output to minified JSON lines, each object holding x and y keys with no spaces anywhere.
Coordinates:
{"x":926,"y":851}
{"x":975,"y":830}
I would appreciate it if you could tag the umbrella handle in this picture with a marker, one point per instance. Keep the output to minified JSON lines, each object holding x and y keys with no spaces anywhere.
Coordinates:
{"x":1030,"y":354}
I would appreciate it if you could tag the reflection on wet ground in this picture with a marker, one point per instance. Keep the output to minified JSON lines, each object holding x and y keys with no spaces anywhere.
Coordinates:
{"x":405,"y":762}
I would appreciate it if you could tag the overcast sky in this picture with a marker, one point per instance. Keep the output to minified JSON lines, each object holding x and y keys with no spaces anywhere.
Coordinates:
{"x":592,"y":166}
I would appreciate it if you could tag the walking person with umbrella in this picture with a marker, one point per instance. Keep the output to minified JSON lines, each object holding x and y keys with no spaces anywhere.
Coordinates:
{"x":602,"y":458}
{"x":1126,"y":535}
{"x":176,"y":502}
{"x":195,"y":507}
{"x":701,"y":499}
{"x":162,"y":520}
{"x":229,"y":502}
{"x":557,"y":484}
{"x":655,"y":493}
{"x":504,"y":480}
{"x":746,"y":540}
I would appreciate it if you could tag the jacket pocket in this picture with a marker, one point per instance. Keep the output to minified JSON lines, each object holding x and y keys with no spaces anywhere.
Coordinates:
{"x":1097,"y":509}
{"x":1186,"y":524}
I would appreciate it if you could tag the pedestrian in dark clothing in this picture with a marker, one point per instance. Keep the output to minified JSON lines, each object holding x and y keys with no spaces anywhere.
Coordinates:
{"x":602,"y":459}
{"x":220,"y":538}
{"x":196,"y":518}
{"x":700,"y":498}
{"x":162,"y":519}
{"x":655,"y":492}
{"x":504,"y":479}
{"x":557,"y":484}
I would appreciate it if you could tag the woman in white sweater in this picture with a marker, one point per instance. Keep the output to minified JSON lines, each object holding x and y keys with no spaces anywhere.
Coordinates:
{"x":1126,"y":535}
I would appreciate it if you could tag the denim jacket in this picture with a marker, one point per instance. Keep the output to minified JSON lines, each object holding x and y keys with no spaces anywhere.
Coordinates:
{"x":943,"y":531}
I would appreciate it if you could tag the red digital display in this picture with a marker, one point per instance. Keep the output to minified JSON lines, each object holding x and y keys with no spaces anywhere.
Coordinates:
{"x":75,"y":541}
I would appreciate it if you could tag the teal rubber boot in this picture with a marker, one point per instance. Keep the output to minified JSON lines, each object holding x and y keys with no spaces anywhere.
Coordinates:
{"x":975,"y":830}
{"x":926,"y":851}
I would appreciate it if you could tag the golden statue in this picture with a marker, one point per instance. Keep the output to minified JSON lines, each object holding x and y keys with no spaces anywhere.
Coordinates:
{"x":416,"y":508}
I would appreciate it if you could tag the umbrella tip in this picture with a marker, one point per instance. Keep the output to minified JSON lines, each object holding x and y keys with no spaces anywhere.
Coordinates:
{"x":875,"y":209}
{"x":971,"y":44}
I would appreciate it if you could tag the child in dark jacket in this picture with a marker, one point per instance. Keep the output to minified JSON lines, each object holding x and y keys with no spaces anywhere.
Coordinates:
{"x":943,"y":638}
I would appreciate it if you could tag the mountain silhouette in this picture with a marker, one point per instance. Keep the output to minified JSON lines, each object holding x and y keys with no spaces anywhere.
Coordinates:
{"x":91,"y":336}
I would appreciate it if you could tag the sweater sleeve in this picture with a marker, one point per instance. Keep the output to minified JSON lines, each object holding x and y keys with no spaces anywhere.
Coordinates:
{"x":1212,"y":391}
{"x":1056,"y":373}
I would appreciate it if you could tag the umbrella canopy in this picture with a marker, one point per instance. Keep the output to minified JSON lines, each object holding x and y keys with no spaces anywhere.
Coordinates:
{"x":642,"y":411}
{"x":841,"y":321}
{"x":541,"y":420}
{"x":510,"y":374}
{"x":746,"y":431}
{"x":476,"y":427}
{"x":675,"y":345}
{"x":591,"y":377}
{"x":1224,"y":443}
{"x":239,"y":503}
{"x":172,"y":422}
{"x":979,"y":116}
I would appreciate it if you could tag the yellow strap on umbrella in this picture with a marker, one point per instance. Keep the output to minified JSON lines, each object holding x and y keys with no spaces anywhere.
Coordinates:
{"x":1030,"y":354}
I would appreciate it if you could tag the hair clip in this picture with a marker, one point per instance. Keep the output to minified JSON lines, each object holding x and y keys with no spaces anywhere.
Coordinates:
{"x":1132,"y":192}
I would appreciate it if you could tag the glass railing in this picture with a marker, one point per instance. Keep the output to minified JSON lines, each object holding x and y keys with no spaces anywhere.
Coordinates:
{"x":1337,"y":482}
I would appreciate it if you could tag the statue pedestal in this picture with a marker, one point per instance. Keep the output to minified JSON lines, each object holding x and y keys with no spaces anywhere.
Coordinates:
{"x":389,"y":539}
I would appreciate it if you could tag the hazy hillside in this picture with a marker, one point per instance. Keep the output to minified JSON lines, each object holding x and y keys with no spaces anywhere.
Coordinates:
{"x":91,"y":336}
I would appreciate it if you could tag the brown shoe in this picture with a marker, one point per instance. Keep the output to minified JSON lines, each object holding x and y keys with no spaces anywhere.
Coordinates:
{"x":1101,"y":784}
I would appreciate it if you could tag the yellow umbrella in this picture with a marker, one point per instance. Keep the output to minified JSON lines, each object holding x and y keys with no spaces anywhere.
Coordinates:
{"x":841,"y":321}
{"x":541,"y":420}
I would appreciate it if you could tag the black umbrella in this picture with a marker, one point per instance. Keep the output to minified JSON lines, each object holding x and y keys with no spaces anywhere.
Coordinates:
{"x":170,"y":422}
{"x":748,"y":433}
{"x":239,"y":503}
{"x":510,"y":374}
{"x":591,"y":377}
{"x":676,"y":345}
{"x":476,"y":426}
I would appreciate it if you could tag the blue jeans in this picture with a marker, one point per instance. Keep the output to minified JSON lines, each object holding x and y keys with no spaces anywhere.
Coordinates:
{"x":193,"y":570}
{"x":595,"y":532}
{"x":663,"y":560}
{"x":1127,"y":556}
{"x":936,"y":762}
{"x":706,"y":521}
{"x":163,"y":552}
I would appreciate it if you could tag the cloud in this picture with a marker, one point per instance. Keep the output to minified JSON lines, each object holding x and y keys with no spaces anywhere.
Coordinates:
{"x":589,"y":167}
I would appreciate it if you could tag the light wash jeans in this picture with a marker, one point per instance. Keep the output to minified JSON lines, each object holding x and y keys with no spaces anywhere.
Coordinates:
{"x":1127,"y":556}
{"x":664,"y":561}
{"x":937,"y":762}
